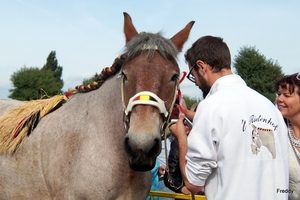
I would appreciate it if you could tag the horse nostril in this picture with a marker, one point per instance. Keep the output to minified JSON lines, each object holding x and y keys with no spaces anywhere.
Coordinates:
{"x":142,"y":153}
{"x":126,"y":145}
{"x":155,"y":150}
{"x":132,"y":147}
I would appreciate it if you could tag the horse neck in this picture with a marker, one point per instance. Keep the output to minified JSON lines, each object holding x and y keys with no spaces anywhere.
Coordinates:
{"x":106,"y":101}
{"x":110,"y":93}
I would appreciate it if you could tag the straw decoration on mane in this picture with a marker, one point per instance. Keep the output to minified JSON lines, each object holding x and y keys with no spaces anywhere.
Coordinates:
{"x":21,"y":121}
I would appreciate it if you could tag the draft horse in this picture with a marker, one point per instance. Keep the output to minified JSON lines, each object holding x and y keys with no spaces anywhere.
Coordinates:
{"x":101,"y":143}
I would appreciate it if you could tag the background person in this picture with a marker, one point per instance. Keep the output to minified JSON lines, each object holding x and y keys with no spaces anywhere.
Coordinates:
{"x":288,"y":103}
{"x":237,"y":147}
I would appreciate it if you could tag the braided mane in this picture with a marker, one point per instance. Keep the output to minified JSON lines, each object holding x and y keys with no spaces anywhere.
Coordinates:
{"x":105,"y":73}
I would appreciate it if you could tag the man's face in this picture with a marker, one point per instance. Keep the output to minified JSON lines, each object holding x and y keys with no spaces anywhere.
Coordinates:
{"x":200,"y":81}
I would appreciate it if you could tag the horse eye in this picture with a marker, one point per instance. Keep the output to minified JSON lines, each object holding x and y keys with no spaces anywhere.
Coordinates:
{"x":175,"y":77}
{"x":124,"y":75}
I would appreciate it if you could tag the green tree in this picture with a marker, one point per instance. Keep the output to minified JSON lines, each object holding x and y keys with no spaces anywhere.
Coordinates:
{"x":52,"y":66}
{"x":33,"y":83}
{"x":190,"y":101}
{"x":258,"y":72}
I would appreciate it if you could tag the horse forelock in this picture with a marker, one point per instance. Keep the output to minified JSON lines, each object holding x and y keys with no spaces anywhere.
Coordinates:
{"x":151,"y":43}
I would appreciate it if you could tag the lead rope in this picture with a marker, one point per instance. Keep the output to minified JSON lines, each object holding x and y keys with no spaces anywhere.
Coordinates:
{"x":166,"y":132}
{"x":167,"y":163}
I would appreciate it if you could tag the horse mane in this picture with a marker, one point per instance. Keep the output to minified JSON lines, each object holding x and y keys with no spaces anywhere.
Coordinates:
{"x":101,"y":78}
{"x":19,"y":122}
{"x":151,"y":43}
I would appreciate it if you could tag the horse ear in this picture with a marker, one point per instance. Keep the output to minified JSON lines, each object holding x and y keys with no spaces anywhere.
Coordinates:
{"x":181,"y":37}
{"x":129,"y":29}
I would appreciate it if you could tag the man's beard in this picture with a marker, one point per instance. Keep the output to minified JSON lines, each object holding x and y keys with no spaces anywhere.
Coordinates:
{"x":203,"y":86}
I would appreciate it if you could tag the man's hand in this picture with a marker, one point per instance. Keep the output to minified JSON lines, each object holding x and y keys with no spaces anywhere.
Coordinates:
{"x":161,"y":170}
{"x":189,"y":113}
{"x":184,"y":190}
{"x":178,"y":129}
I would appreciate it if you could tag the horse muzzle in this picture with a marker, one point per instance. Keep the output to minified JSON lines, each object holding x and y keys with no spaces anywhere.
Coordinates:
{"x":142,"y":152}
{"x":144,"y":128}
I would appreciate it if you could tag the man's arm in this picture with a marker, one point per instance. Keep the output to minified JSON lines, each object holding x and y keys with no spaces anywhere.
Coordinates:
{"x":178,"y":130}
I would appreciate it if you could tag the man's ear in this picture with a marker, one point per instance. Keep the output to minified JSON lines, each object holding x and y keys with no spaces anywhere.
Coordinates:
{"x":202,"y":66}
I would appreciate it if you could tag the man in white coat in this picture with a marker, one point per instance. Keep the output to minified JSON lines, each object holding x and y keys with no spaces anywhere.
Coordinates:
{"x":237,"y":147}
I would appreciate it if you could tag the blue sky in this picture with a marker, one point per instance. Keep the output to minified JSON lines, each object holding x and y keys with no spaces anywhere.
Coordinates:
{"x":87,"y":35}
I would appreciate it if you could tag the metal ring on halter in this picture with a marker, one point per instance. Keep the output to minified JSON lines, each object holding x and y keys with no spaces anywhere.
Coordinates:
{"x":126,"y":120}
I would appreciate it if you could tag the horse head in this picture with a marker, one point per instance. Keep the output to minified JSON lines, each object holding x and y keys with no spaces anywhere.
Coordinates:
{"x":150,"y":83}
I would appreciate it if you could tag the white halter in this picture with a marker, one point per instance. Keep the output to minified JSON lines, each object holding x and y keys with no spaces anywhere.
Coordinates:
{"x":146,"y":98}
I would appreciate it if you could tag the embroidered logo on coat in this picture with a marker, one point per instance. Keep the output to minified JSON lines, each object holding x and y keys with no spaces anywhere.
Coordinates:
{"x":262,"y":137}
